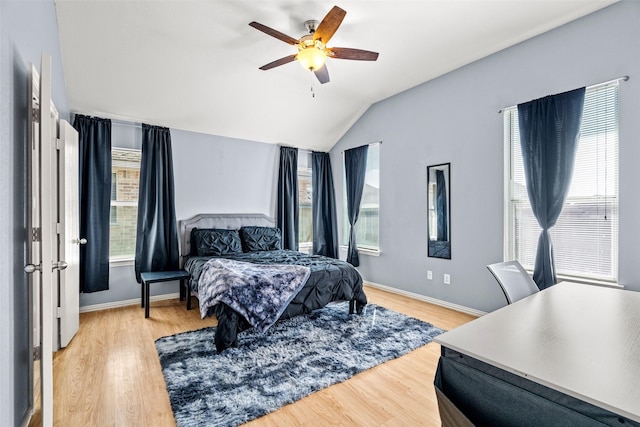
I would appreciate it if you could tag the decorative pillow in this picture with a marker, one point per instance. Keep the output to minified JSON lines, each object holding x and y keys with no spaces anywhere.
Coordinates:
{"x":260,"y":239}
{"x":215,"y":242}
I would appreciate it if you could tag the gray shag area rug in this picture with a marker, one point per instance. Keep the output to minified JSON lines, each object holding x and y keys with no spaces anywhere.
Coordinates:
{"x":289,"y":361}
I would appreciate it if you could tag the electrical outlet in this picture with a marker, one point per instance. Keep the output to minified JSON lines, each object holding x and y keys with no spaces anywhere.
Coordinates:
{"x":447,"y":279}
{"x":429,"y":275}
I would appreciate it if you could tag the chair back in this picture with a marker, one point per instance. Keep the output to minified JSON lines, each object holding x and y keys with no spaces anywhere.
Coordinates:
{"x":514,"y":280}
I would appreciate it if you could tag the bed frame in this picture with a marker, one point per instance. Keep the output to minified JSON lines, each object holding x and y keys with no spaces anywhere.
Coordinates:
{"x":230,"y":323}
{"x":228,"y":221}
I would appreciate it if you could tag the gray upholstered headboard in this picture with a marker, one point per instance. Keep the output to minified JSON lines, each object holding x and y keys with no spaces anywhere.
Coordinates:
{"x":223,"y":221}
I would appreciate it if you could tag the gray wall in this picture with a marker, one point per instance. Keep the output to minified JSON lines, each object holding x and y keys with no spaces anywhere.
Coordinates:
{"x":215,"y":174}
{"x":212,"y":174}
{"x":26,"y":30}
{"x":455,"y":119}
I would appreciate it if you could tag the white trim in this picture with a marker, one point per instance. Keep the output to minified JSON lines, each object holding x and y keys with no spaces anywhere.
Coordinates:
{"x":441,"y":303}
{"x":306,"y":247}
{"x":585,"y":281}
{"x":126,"y":164}
{"x":367,"y":251}
{"x":124,"y":203}
{"x":131,"y":150}
{"x":430,"y":300}
{"x":125,"y":303}
{"x":121,"y":262}
{"x":362,"y":251}
{"x":582,"y":280}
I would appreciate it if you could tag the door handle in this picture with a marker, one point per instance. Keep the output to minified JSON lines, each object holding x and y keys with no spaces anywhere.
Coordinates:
{"x":60,"y":265}
{"x":31,"y":268}
{"x":82,"y":241}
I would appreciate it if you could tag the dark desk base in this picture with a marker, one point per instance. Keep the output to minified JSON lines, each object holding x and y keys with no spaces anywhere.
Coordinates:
{"x":156,"y":277}
{"x":489,"y":396}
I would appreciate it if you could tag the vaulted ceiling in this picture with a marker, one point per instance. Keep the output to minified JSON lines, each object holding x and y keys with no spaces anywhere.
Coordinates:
{"x":193,"y":65}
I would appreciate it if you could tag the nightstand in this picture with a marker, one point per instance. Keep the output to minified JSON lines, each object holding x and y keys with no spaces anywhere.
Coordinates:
{"x":150,"y":277}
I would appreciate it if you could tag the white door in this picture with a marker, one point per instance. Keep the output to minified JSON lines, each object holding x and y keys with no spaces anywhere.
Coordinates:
{"x":49,"y":237}
{"x":34,"y":237}
{"x":44,"y":263}
{"x":69,"y":212}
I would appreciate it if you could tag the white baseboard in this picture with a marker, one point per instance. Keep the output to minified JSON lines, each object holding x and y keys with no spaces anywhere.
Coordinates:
{"x":135,"y":301}
{"x":452,"y":306}
{"x":446,"y":304}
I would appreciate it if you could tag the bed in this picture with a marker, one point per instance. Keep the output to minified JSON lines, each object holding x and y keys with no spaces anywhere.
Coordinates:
{"x":328,"y":280}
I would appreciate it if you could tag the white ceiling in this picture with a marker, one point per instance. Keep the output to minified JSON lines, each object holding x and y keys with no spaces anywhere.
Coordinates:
{"x":193,"y":65}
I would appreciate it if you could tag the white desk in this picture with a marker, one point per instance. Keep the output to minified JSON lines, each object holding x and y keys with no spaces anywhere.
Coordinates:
{"x":581,"y":340}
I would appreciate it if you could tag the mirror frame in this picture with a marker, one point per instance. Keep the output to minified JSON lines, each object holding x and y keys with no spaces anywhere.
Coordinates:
{"x":438,"y":248}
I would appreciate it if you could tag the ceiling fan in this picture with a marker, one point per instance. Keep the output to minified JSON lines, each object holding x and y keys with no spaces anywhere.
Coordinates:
{"x":312,"y":48}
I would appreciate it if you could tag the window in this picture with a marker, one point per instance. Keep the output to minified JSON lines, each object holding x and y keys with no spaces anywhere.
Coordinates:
{"x":125,"y":177}
{"x":367,"y":227}
{"x":585,"y":237}
{"x":305,"y":197}
{"x":114,"y":185}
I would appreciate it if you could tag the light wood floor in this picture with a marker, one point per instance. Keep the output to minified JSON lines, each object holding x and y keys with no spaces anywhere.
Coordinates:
{"x":110,"y":375}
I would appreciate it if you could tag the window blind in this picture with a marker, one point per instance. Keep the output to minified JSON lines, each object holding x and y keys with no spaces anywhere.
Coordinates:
{"x":125,"y":179}
{"x":585,"y":238}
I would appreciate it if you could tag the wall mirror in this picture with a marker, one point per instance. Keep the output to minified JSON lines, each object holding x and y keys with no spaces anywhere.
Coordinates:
{"x":439,"y":221}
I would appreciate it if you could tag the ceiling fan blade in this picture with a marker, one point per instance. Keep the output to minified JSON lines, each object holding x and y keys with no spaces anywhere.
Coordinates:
{"x":279,"y":62}
{"x":322,"y":74}
{"x":273,"y":33}
{"x":329,"y":25}
{"x":355,"y":54}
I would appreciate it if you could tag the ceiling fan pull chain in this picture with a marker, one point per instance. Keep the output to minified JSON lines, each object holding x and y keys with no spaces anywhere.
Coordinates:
{"x":313,"y":93}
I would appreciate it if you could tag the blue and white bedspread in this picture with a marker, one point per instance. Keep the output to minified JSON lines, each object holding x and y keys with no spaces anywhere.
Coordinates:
{"x":260,"y":293}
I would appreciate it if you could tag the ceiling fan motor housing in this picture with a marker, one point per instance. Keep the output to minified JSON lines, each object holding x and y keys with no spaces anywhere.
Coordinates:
{"x":311,"y":25}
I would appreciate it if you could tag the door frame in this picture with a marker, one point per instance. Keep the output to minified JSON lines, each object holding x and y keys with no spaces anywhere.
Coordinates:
{"x":34,"y":278}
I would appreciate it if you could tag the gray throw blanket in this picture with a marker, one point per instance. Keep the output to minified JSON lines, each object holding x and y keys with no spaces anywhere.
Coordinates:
{"x":260,"y":293}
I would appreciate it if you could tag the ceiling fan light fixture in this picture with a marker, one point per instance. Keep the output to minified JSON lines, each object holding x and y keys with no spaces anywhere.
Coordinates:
{"x":312,"y":48}
{"x":311,"y":58}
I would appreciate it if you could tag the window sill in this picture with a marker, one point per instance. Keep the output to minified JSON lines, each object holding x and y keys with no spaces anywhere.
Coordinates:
{"x":583,"y":280}
{"x":121,"y":262}
{"x":586,"y":281}
{"x":363,"y":251}
{"x":307,"y":248}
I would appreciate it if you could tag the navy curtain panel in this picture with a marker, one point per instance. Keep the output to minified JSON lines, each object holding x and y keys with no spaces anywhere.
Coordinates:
{"x":323,"y":207}
{"x":355,"y":168}
{"x":94,"y":138}
{"x":549,"y":130}
{"x":157,"y":234}
{"x":441,"y":206}
{"x":288,"y":197}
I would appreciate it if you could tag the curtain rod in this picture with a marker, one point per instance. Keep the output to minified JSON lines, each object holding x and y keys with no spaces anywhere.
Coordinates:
{"x":623,"y":78}
{"x":123,"y":123}
{"x":113,"y":121}
{"x":371,"y":143}
{"x":306,"y":150}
